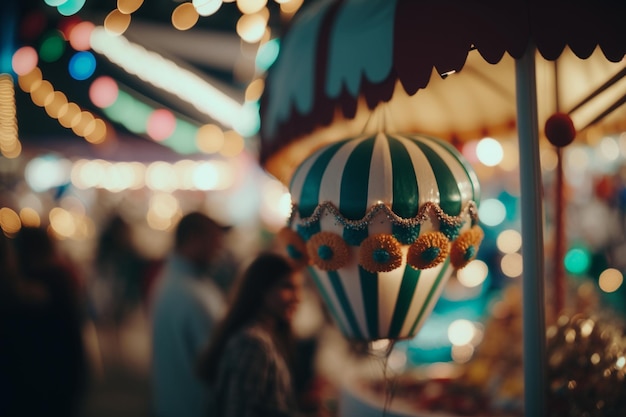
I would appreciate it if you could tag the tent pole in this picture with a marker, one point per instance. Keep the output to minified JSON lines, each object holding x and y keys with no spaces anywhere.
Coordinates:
{"x":534,"y":335}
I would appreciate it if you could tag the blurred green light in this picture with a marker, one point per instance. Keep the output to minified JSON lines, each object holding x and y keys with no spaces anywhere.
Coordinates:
{"x":55,"y":3}
{"x":577,"y":261}
{"x":52,"y":47}
{"x":183,"y":140}
{"x":133,"y":114}
{"x":70,"y":7}
{"x":130,"y":112}
{"x":249,"y":121}
{"x":268,"y":52}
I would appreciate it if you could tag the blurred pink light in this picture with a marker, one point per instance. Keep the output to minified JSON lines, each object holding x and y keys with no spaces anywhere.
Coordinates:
{"x":80,"y":36}
{"x":103,"y":91}
{"x":24,"y":60}
{"x":161,"y":124}
{"x":469,"y":151}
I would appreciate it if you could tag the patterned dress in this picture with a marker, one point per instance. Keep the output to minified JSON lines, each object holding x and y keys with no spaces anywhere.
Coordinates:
{"x":253,"y":378}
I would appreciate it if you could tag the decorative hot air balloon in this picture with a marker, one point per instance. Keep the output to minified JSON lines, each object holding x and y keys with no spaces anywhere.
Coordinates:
{"x":380,"y":220}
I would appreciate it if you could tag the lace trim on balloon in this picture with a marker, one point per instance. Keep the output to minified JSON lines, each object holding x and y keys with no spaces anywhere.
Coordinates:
{"x":428,"y":210}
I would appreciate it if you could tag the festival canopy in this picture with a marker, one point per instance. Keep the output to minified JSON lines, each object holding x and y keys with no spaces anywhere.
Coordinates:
{"x":431,"y":64}
{"x":342,"y":53}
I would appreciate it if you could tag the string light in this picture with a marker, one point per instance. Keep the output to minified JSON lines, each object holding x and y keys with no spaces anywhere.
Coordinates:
{"x":184,"y":16}
{"x":69,"y":114}
{"x":207,"y":7}
{"x":167,"y":75}
{"x":10,"y":146}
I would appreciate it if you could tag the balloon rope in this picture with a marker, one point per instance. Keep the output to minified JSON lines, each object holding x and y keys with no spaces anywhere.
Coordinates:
{"x":375,"y":119}
{"x":387,"y":117}
{"x":368,"y":121}
{"x":389,"y":382}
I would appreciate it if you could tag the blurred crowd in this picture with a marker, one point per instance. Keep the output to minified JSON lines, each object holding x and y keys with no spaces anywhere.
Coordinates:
{"x":43,"y":366}
{"x":50,"y":310}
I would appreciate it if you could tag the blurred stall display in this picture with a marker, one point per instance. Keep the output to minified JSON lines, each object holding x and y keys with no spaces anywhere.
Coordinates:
{"x":587,"y":358}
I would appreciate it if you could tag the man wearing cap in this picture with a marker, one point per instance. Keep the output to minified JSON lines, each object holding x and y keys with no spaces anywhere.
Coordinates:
{"x":187,"y":305}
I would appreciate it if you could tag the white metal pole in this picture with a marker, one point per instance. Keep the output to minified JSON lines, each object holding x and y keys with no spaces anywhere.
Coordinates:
{"x":534,"y":335}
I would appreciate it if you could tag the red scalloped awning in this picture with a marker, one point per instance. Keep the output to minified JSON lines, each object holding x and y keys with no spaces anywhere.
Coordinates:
{"x":451,"y":28}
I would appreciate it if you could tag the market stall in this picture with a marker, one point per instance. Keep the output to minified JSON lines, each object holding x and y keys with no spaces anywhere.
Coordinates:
{"x":343,"y":64}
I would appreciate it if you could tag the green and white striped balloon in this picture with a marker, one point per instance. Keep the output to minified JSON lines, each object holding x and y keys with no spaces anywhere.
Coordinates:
{"x":396,"y":185}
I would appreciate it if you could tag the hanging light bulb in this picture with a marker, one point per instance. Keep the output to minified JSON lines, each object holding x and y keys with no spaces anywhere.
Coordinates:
{"x":207,"y":7}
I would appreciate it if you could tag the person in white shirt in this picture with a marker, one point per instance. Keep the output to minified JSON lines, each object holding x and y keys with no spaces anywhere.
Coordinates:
{"x":186,"y":306}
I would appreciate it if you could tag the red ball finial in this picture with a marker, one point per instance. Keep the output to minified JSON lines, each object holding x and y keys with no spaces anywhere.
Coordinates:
{"x":560,"y":129}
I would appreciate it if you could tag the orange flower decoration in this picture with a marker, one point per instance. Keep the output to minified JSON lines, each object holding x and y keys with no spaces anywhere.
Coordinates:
{"x":429,"y":250}
{"x":380,"y":253}
{"x":293,"y":245}
{"x":328,"y":251}
{"x":465,"y":248}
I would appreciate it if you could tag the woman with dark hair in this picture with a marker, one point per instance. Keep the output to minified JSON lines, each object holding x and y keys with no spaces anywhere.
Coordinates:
{"x":249,"y":362}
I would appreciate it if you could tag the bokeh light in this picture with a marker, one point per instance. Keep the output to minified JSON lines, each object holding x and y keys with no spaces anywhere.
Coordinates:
{"x":98,"y":133}
{"x":103,"y":91}
{"x":10,"y":221}
{"x":233,"y":144}
{"x":461,"y":332}
{"x":116,"y":22}
{"x":251,"y":27}
{"x":29,"y":81}
{"x":184,"y":16}
{"x":610,"y":280}
{"x":66,"y":24}
{"x":577,"y":158}
{"x":161,"y":176}
{"x":210,"y":138}
{"x":577,"y":260}
{"x":255,"y":90}
{"x":250,"y":6}
{"x":30,"y":217}
{"x":275,"y":204}
{"x":54,"y":103}
{"x":267,"y":54}
{"x":40,"y":93}
{"x":70,"y":7}
{"x":82,"y":65}
{"x":128,"y":6}
{"x":248,"y":121}
{"x":54,"y":3}
{"x":161,"y":124}
{"x":80,"y":35}
{"x":52,"y":47}
{"x":207,"y":7}
{"x":469,"y":151}
{"x":164,"y":205}
{"x":290,"y":7}
{"x":489,"y":152}
{"x":512,"y":265}
{"x":509,"y":241}
{"x":212,"y":175}
{"x":24,"y":60}
{"x":68,"y":114}
{"x":45,"y":172}
{"x":473,"y":274}
{"x":492,"y":212}
{"x":62,"y":222}
{"x":549,"y":159}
